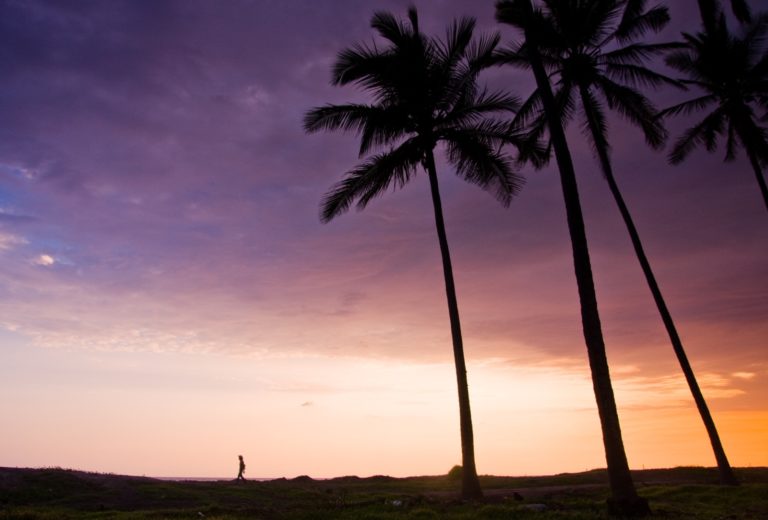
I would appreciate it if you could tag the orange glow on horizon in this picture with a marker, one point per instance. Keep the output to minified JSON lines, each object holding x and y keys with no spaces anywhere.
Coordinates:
{"x":352,"y":416}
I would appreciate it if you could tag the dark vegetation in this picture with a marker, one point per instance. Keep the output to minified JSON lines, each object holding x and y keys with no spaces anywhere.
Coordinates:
{"x":679,"y":493}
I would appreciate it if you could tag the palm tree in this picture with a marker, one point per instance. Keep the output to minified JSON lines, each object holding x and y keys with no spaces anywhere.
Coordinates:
{"x":536,"y":29}
{"x":578,"y":53}
{"x":732,"y":74}
{"x":424,"y":92}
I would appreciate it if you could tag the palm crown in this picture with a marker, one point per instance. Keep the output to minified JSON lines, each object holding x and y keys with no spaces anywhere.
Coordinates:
{"x":592,"y":48}
{"x":732,"y":74}
{"x":424,"y":92}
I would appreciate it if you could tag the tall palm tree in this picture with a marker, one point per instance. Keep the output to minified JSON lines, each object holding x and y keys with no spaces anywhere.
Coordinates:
{"x":424,"y":92}
{"x":731,"y":71}
{"x":536,"y":28}
{"x":594,"y":50}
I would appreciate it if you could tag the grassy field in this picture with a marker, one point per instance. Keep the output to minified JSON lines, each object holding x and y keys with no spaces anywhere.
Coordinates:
{"x":680,"y":493}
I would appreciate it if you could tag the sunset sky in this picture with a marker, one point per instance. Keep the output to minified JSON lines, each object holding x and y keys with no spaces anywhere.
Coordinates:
{"x":169,"y":298}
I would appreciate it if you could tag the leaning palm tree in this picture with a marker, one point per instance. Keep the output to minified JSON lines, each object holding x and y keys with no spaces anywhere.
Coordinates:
{"x":594,"y":50}
{"x":424,"y":92}
{"x":731,"y":72}
{"x":531,"y":53}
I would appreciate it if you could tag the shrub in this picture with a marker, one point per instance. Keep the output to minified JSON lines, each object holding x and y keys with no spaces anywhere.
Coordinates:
{"x":455,"y":473}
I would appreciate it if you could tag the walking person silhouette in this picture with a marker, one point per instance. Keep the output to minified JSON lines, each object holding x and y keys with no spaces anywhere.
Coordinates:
{"x":242,"y":468}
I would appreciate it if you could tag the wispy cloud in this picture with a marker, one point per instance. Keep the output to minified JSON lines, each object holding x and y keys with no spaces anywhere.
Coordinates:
{"x":10,"y":241}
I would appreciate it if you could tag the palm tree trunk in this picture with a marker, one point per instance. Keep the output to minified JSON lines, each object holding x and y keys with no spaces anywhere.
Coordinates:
{"x":470,"y":485}
{"x":759,"y":174}
{"x":624,"y":499}
{"x":726,"y":473}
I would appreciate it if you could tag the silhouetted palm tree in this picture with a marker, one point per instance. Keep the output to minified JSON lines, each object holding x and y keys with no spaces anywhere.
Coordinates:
{"x":593,"y":49}
{"x":425,"y":92}
{"x":532,"y":53}
{"x":732,"y":74}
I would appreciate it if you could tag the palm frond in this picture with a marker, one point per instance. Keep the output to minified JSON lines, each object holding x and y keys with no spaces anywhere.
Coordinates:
{"x":535,"y":131}
{"x":458,"y":38}
{"x":513,"y":55}
{"x":458,"y":80}
{"x":338,"y":117}
{"x":392,"y":29}
{"x":741,"y":10}
{"x":754,"y":38}
{"x":531,"y":150}
{"x":639,"y":75}
{"x":476,"y":107}
{"x":460,"y":94}
{"x":565,"y":103}
{"x":491,"y":131}
{"x":376,"y":125}
{"x":413,"y":17}
{"x":753,"y":137}
{"x":372,"y":178}
{"x":759,"y":73}
{"x":636,"y":108}
{"x":383,"y":127}
{"x":529,"y":110}
{"x":480,"y":53}
{"x":592,"y":21}
{"x":531,"y":122}
{"x":632,"y":10}
{"x":683,"y":62}
{"x":479,"y":163}
{"x":635,"y":25}
{"x":637,"y":53}
{"x":705,"y":132}
{"x":690,"y":106}
{"x":451,"y":82}
{"x":595,"y":127}
{"x":518,"y":14}
{"x":457,"y":89}
{"x":360,"y":64}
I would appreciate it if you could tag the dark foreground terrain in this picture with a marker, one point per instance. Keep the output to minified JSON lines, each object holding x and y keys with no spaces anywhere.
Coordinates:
{"x":680,"y":493}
